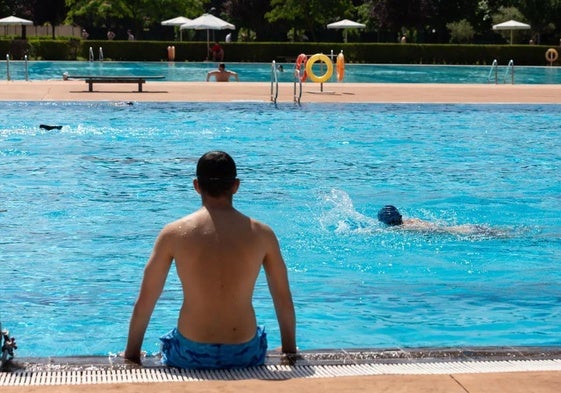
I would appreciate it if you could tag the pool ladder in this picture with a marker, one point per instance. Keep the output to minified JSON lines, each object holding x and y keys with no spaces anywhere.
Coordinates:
{"x":494,"y":72}
{"x":275,"y":84}
{"x":8,"y":75}
{"x":91,"y":54}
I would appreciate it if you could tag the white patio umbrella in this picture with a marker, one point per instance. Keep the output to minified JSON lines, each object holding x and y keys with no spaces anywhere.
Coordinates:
{"x":345,"y":24}
{"x":511,"y":25}
{"x":176,"y":22}
{"x":15,"y":21}
{"x":208,"y":22}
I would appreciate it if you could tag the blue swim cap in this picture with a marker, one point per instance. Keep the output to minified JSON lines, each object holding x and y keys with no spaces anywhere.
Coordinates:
{"x":389,"y":215}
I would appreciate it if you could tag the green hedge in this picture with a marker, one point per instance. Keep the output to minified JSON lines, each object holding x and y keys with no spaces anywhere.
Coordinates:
{"x":378,"y":53}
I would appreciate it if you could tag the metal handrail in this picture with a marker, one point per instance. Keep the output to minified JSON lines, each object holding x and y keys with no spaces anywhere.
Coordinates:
{"x":274,"y":82}
{"x":8,"y":67}
{"x":298,"y":75}
{"x":495,"y":69}
{"x":510,"y":67}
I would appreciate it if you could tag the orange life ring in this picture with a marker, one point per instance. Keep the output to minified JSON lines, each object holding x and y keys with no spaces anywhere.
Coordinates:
{"x":551,"y":55}
{"x":302,"y":59}
{"x":340,"y":67}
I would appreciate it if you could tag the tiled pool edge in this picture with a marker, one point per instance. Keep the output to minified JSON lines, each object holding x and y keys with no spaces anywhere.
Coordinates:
{"x":312,"y":364}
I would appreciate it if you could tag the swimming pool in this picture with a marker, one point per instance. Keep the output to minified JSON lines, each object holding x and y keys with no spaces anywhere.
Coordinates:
{"x":80,"y":208}
{"x":261,"y":72}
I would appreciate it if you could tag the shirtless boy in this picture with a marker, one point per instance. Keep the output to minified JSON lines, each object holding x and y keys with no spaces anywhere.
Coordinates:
{"x":218,"y":255}
{"x":222,"y":74}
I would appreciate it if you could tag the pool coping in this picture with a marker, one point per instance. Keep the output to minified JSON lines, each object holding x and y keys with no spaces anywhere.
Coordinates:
{"x":316,"y":364}
{"x":260,"y":92}
{"x":350,"y":356}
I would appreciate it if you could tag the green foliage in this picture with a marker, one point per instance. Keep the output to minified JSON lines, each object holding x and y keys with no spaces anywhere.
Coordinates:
{"x":461,"y":32}
{"x":310,"y":15}
{"x":246,"y":35}
{"x":136,"y":14}
{"x":54,"y":49}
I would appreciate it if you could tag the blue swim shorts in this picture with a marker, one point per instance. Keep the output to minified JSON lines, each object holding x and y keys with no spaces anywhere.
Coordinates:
{"x":179,"y":351}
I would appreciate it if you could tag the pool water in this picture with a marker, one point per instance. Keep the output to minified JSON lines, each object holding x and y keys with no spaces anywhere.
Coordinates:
{"x":261,"y":72}
{"x":80,"y":208}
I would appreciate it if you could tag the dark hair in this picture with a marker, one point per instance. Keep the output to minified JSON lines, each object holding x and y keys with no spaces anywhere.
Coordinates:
{"x":216,"y":173}
{"x":389,"y":215}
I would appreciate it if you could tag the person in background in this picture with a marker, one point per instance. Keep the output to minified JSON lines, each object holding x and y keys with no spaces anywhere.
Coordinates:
{"x":222,"y":74}
{"x":130,"y":35}
{"x":110,"y":35}
{"x":217,"y":52}
{"x":85,"y":34}
{"x":228,"y":38}
{"x":218,"y":254}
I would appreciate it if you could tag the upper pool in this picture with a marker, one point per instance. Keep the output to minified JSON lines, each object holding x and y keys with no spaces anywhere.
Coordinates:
{"x":261,"y":72}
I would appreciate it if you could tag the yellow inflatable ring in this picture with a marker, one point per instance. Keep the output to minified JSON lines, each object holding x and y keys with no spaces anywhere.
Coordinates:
{"x":551,"y":55}
{"x":310,"y":63}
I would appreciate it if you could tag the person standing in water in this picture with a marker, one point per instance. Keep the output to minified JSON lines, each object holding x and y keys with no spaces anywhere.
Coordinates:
{"x":222,"y":74}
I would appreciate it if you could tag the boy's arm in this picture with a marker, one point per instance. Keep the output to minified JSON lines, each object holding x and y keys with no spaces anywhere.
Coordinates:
{"x":155,"y":274}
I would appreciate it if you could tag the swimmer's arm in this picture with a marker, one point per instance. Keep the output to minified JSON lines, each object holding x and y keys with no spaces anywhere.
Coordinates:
{"x":277,"y":279}
{"x":235,"y":75}
{"x":155,"y":274}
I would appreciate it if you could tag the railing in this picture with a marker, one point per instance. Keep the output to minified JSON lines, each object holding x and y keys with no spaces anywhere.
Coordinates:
{"x":509,"y":70}
{"x":298,"y":76}
{"x":494,"y":71}
{"x":274,"y":82}
{"x":25,"y":64}
{"x":8,"y":77}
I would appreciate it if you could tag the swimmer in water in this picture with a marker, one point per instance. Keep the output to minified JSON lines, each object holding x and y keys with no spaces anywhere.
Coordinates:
{"x":390,"y":216}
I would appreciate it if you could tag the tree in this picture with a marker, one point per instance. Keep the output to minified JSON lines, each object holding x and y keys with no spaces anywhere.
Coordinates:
{"x":538,"y":14}
{"x":250,"y":14}
{"x":308,"y":15}
{"x":50,"y":11}
{"x":398,"y":15}
{"x":21,"y":8}
{"x":461,"y":32}
{"x":137,"y":15}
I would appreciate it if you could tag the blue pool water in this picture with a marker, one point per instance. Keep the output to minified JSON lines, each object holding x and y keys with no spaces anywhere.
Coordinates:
{"x":80,"y":208}
{"x":261,"y":72}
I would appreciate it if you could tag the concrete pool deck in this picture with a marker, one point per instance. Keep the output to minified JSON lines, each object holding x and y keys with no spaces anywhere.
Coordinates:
{"x":77,"y":90}
{"x":525,"y":379}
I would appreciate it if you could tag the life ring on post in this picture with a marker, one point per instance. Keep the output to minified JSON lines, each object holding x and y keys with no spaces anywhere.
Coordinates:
{"x":310,"y":63}
{"x":340,"y":67}
{"x":551,"y":55}
{"x":301,"y":59}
